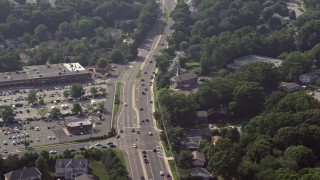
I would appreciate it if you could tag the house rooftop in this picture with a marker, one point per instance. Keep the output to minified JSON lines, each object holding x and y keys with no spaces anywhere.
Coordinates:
{"x":198,"y":156}
{"x":185,"y":77}
{"x":237,"y":63}
{"x":71,"y":163}
{"x":202,"y":172}
{"x":25,"y":173}
{"x":202,"y":114}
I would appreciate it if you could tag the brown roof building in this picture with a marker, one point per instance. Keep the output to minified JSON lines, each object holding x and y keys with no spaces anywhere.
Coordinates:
{"x":199,"y":158}
{"x":45,"y":75}
{"x":184,"y":80}
{"x":289,"y":87}
{"x":78,"y":126}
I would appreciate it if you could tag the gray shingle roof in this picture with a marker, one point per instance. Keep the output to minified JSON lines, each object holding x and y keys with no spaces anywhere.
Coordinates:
{"x":71,"y":163}
{"x":23,"y":173}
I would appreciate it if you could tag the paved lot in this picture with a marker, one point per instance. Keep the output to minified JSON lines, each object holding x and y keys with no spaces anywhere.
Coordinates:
{"x":50,"y":126}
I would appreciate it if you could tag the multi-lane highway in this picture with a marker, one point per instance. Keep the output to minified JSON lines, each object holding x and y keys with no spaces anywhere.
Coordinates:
{"x":135,"y":119}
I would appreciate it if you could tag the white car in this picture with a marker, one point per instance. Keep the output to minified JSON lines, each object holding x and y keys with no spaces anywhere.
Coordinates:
{"x":91,"y":147}
{"x":53,"y":137}
{"x":14,"y":143}
{"x":125,"y":104}
{"x":150,"y":133}
{"x":98,"y":144}
{"x":161,"y":173}
{"x":52,"y":152}
{"x":5,"y":143}
{"x":13,"y":137}
{"x":135,"y":146}
{"x":37,"y":139}
{"x":49,"y":137}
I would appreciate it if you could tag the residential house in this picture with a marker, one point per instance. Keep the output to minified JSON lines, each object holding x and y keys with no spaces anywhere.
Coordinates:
{"x":200,"y":172}
{"x":71,"y":168}
{"x":31,"y":173}
{"x":184,"y":80}
{"x":289,"y":87}
{"x":85,"y":177}
{"x":202,"y":117}
{"x":191,"y":143}
{"x":215,"y":139}
{"x":309,"y":78}
{"x":199,"y":159}
{"x":239,"y":62}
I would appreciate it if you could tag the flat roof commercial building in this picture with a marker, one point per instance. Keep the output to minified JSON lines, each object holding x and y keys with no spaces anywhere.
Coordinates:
{"x":78,"y":126}
{"x":45,"y":75}
{"x":237,"y":63}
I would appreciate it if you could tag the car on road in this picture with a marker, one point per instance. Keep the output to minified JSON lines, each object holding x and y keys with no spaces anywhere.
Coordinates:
{"x":125,"y":104}
{"x":109,"y":143}
{"x":146,"y":160}
{"x":144,"y":152}
{"x":49,"y":137}
{"x":52,"y":152}
{"x":117,"y":136}
{"x":98,"y":144}
{"x":141,"y":109}
{"x":169,"y":177}
{"x":132,"y":130}
{"x":147,"y":120}
{"x":37,"y":139}
{"x":91,"y":147}
{"x":150,"y":133}
{"x":5,"y":151}
{"x":161,"y":173}
{"x":83,"y":148}
{"x":104,"y":146}
{"x":145,"y":72}
{"x":135,"y":146}
{"x":71,"y":149}
{"x":5,"y":143}
{"x":113,"y":146}
{"x":138,"y":132}
{"x":154,"y":150}
{"x":143,"y":93}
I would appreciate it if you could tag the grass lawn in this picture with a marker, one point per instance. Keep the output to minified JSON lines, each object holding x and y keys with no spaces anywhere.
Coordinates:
{"x":193,"y":66}
{"x":173,"y":169}
{"x":138,"y":75}
{"x":116,"y":107}
{"x":98,"y":170}
{"x":165,"y":16}
{"x":166,"y":150}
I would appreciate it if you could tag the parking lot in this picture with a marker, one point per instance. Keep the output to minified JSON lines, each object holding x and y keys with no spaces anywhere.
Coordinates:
{"x":46,"y":130}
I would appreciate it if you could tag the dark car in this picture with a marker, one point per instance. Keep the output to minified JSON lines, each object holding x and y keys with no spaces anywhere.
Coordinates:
{"x":154,"y":150}
{"x":147,"y":120}
{"x":113,"y":146}
{"x":141,"y":109}
{"x":82,"y":148}
{"x":146,"y":161}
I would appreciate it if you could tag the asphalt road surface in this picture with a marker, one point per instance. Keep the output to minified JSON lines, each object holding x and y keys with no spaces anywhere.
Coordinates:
{"x":136,"y":95}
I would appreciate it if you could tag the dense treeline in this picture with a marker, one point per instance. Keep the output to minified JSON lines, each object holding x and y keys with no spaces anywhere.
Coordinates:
{"x":82,"y":28}
{"x":279,"y":137}
{"x":220,"y":31}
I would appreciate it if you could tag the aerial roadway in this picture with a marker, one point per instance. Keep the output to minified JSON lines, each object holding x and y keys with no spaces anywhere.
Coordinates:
{"x":135,"y":123}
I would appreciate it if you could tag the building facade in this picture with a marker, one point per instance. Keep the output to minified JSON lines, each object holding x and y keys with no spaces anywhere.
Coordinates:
{"x":71,"y":168}
{"x":184,"y":80}
{"x":78,"y":126}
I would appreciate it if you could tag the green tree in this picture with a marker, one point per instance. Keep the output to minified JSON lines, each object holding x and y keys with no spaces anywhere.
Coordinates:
{"x":43,"y":112}
{"x":32,"y":97}
{"x":303,"y":156}
{"x":41,"y":32}
{"x":66,"y":94}
{"x":55,"y":112}
{"x":224,"y":158}
{"x":102,"y":63}
{"x":185,"y":159}
{"x":249,"y":97}
{"x":67,"y":154}
{"x":76,"y":91}
{"x":45,"y":155}
{"x":76,"y":108}
{"x":94,"y":91}
{"x":41,"y":164}
{"x":259,"y":149}
{"x":116,"y":55}
{"x":7,"y":114}
{"x":100,"y":107}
